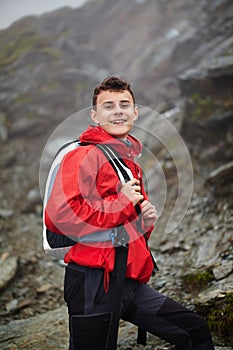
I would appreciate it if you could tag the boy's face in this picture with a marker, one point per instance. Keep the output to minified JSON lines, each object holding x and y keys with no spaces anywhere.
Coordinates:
{"x":115,"y":112}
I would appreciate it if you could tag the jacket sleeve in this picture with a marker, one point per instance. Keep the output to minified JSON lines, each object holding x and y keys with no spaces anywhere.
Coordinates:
{"x":85,"y":196}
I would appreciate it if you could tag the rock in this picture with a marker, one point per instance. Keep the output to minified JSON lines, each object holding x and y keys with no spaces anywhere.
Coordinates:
{"x":3,"y":129}
{"x":6,"y":213}
{"x":230,"y":135}
{"x":221,"y":66}
{"x":44,"y":288}
{"x":170,"y":247}
{"x":206,"y":252}
{"x":218,"y":290}
{"x":12,"y":305}
{"x":33,"y":198}
{"x":8,"y":268}
{"x":8,"y":158}
{"x":206,"y":78}
{"x":209,"y":296}
{"x":223,"y":270}
{"x":222,"y":175}
{"x":47,"y":331}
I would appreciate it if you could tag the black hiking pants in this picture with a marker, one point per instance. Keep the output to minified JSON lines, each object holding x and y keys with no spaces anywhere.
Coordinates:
{"x":141,"y":305}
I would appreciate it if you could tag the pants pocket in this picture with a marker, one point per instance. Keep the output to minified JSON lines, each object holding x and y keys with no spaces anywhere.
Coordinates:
{"x":74,"y":290}
{"x":89,"y":332}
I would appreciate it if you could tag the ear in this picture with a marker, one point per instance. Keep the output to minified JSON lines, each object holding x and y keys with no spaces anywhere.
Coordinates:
{"x":94,"y":116}
{"x":135,"y":113}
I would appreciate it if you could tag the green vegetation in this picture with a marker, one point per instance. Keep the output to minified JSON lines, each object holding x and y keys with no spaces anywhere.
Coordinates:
{"x":219,"y":314}
{"x":220,"y":318}
{"x":50,"y":86}
{"x":24,"y":98}
{"x":49,"y":51}
{"x":200,"y":108}
{"x":27,"y":42}
{"x":29,"y":115}
{"x":81,"y":86}
{"x":197,"y":281}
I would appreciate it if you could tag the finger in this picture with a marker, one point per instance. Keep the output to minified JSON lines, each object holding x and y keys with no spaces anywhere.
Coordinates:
{"x":136,"y":188}
{"x":145,"y":204}
{"x":149,"y":212}
{"x":133,"y":182}
{"x":138,"y":197}
{"x":151,"y":215}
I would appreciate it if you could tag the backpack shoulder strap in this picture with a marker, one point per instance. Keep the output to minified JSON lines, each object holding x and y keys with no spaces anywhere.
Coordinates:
{"x":123,"y":172}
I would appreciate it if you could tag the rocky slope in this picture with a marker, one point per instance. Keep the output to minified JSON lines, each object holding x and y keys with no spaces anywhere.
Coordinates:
{"x":179,"y":57}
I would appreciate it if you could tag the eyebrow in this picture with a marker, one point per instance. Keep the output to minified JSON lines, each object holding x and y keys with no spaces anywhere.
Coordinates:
{"x":110,"y":102}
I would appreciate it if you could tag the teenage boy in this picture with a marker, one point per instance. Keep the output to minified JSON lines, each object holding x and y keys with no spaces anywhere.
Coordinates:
{"x":87,"y":200}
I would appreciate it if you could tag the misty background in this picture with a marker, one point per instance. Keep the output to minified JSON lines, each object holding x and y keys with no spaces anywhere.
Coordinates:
{"x":178,"y":56}
{"x":12,"y":10}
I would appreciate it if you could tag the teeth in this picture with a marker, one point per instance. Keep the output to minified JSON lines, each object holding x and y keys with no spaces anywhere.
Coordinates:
{"x":118,"y":121}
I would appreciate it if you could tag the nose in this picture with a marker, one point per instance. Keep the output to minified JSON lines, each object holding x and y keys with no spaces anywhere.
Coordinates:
{"x":118,"y":108}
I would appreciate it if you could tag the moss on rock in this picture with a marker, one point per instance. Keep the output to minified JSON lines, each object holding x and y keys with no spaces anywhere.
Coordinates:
{"x":194,"y":282}
{"x":220,"y":318}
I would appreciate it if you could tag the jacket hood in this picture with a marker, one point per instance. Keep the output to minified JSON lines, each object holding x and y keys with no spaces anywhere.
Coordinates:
{"x":96,"y":134}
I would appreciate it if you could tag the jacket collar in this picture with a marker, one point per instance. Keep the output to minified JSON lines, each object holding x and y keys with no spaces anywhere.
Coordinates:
{"x":95,"y":134}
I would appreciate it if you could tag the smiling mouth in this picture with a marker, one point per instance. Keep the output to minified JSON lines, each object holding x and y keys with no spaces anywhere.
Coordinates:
{"x":118,"y":121}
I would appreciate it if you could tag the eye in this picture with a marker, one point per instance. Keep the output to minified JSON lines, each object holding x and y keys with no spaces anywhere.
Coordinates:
{"x":125,"y":104}
{"x":108,"y":106}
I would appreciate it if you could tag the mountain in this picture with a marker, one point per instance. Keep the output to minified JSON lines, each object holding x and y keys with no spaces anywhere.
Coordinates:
{"x":178,"y":56}
{"x":56,"y":59}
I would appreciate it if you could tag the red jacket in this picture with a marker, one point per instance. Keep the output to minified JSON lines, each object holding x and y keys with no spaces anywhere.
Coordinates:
{"x":86,"y":198}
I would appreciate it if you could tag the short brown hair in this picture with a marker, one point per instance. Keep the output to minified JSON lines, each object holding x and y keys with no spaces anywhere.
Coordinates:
{"x":111,"y":84}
